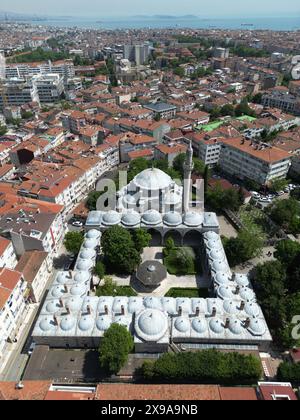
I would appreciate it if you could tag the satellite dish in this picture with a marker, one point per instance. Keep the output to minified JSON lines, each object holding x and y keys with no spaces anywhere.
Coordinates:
{"x":296,"y":67}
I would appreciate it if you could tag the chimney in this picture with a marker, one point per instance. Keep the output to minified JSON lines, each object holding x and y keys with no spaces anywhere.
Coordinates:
{"x":122,"y":310}
{"x":242,"y":307}
{"x":89,"y":309}
{"x":237,"y":290}
{"x":106,"y":309}
{"x":233,"y":277}
{"x":197,"y":311}
{"x":247,"y":323}
{"x":214,"y":311}
{"x":68,"y":310}
{"x":55,"y":320}
{"x":61,"y":303}
{"x":180,"y":310}
{"x":70,"y":274}
{"x":227,"y":322}
{"x":66,"y":288}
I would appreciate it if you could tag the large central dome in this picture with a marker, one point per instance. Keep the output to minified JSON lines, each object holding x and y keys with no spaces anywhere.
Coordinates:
{"x":153,"y":179}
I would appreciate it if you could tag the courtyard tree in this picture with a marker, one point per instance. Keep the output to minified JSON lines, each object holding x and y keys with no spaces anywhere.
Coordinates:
{"x":243,"y":248}
{"x":119,"y":251}
{"x":115,"y":347}
{"x":287,"y":251}
{"x":136,"y":166}
{"x":99,"y":270}
{"x":286,"y":213}
{"x":93,"y":196}
{"x":278,"y":185}
{"x":73,"y":242}
{"x":141,"y":239}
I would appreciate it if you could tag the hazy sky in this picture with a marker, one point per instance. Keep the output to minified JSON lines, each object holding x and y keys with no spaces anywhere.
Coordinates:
{"x":205,"y":8}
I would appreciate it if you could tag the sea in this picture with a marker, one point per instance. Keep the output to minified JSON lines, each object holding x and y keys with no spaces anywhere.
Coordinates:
{"x":277,"y":24}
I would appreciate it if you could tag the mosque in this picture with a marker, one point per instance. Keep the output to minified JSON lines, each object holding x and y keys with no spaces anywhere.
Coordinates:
{"x":71,"y":317}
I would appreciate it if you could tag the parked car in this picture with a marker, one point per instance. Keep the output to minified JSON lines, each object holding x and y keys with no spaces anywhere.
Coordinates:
{"x":255,"y":195}
{"x":77,"y":223}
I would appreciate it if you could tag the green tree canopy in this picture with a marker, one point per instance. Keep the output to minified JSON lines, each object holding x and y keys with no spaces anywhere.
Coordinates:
{"x":141,"y":239}
{"x":99,"y":270}
{"x":73,"y":242}
{"x":119,"y":250}
{"x":287,"y":251}
{"x":286,"y":213}
{"x":115,"y":347}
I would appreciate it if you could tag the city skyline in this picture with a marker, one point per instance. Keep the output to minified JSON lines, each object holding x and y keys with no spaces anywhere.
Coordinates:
{"x":117,"y":8}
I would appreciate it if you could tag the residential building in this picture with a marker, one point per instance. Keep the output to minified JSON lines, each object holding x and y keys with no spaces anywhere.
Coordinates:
{"x":8,"y":258}
{"x":162,"y":110}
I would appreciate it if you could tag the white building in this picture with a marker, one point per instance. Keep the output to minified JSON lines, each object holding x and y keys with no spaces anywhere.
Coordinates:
{"x":8,"y":258}
{"x":260,"y":163}
{"x":49,"y":87}
{"x":12,"y":307}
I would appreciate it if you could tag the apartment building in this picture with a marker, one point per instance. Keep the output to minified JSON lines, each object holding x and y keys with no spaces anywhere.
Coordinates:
{"x":206,"y":148}
{"x":12,"y":307}
{"x":64,"y":68}
{"x":162,"y":110}
{"x":36,"y":268}
{"x":134,"y":142}
{"x":283,"y":100}
{"x":244,"y":159}
{"x":73,"y":121}
{"x":8,"y":258}
{"x":19,"y":92}
{"x":168,"y":152}
{"x":49,"y":87}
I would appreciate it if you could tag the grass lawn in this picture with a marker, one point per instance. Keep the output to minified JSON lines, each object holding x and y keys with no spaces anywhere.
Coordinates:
{"x":177,"y":292}
{"x":212,"y":126}
{"x":183,"y":261}
{"x":120,"y":291}
{"x":246,"y":118}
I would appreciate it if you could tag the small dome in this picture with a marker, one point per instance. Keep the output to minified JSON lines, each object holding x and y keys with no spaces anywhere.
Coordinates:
{"x":86,"y":323}
{"x":67,"y":323}
{"x":151,"y":325}
{"x":247,"y":294}
{"x":221,"y":279}
{"x":111,"y":218}
{"x":216,"y":325}
{"x":74,"y":304}
{"x":151,"y":217}
{"x":182,"y":324}
{"x":198,"y":303}
{"x":82,"y":276}
{"x":62,"y":277}
{"x":235,"y":326}
{"x":257,"y":327}
{"x":152,"y":179}
{"x":217,"y":254}
{"x":152,"y":302}
{"x":172,"y":198}
{"x":214,"y":244}
{"x":220,"y":266}
{"x":57,"y":292}
{"x":87,"y":254}
{"x":93,"y":234}
{"x":192,"y":219}
{"x":78,"y":290}
{"x":184,"y":304}
{"x":199,"y":325}
{"x":118,"y":303}
{"x":47,"y":324}
{"x":172,"y":219}
{"x":252,"y":309}
{"x":225,"y":292}
{"x":211,"y":236}
{"x":84,"y":265}
{"x":241,"y":280}
{"x":230,"y":307}
{"x":135,"y":304}
{"x":90,"y":244}
{"x":53,"y":306}
{"x":169,"y":305}
{"x":131,"y":218}
{"x":103,"y":322}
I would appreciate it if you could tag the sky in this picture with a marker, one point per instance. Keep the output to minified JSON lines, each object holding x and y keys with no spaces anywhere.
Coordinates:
{"x":110,"y":8}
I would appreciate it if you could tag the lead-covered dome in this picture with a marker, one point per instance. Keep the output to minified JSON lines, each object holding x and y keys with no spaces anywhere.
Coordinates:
{"x":216,"y":326}
{"x":235,"y":326}
{"x":82,"y":276}
{"x":90,"y":243}
{"x":111,"y":218}
{"x":182,"y":324}
{"x":152,"y":179}
{"x":192,"y":219}
{"x":151,"y":325}
{"x":47,"y":324}
{"x":86,"y":323}
{"x":199,"y":325}
{"x":151,"y":217}
{"x":131,"y":218}
{"x":93,"y":234}
{"x":257,"y":327}
{"x":172,"y":219}
{"x":103,"y":322}
{"x":67,"y":323}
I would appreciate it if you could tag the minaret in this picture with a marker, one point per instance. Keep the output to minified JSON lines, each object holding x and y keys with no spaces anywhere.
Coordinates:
{"x":188,"y":168}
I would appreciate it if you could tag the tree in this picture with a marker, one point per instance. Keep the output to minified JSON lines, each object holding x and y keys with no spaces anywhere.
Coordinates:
{"x":278,"y":185}
{"x":206,"y":178}
{"x":170,"y":245}
{"x":289,"y":372}
{"x":179,"y":71}
{"x":136,"y":166}
{"x":110,"y":287}
{"x":141,"y":239}
{"x":178,"y":163}
{"x":286,"y":214}
{"x":243,"y":248}
{"x":119,"y":250}
{"x":99,"y":270}
{"x":3,"y":130}
{"x":115,"y":347}
{"x":287,"y":251}
{"x":93,"y":197}
{"x":73,"y":242}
